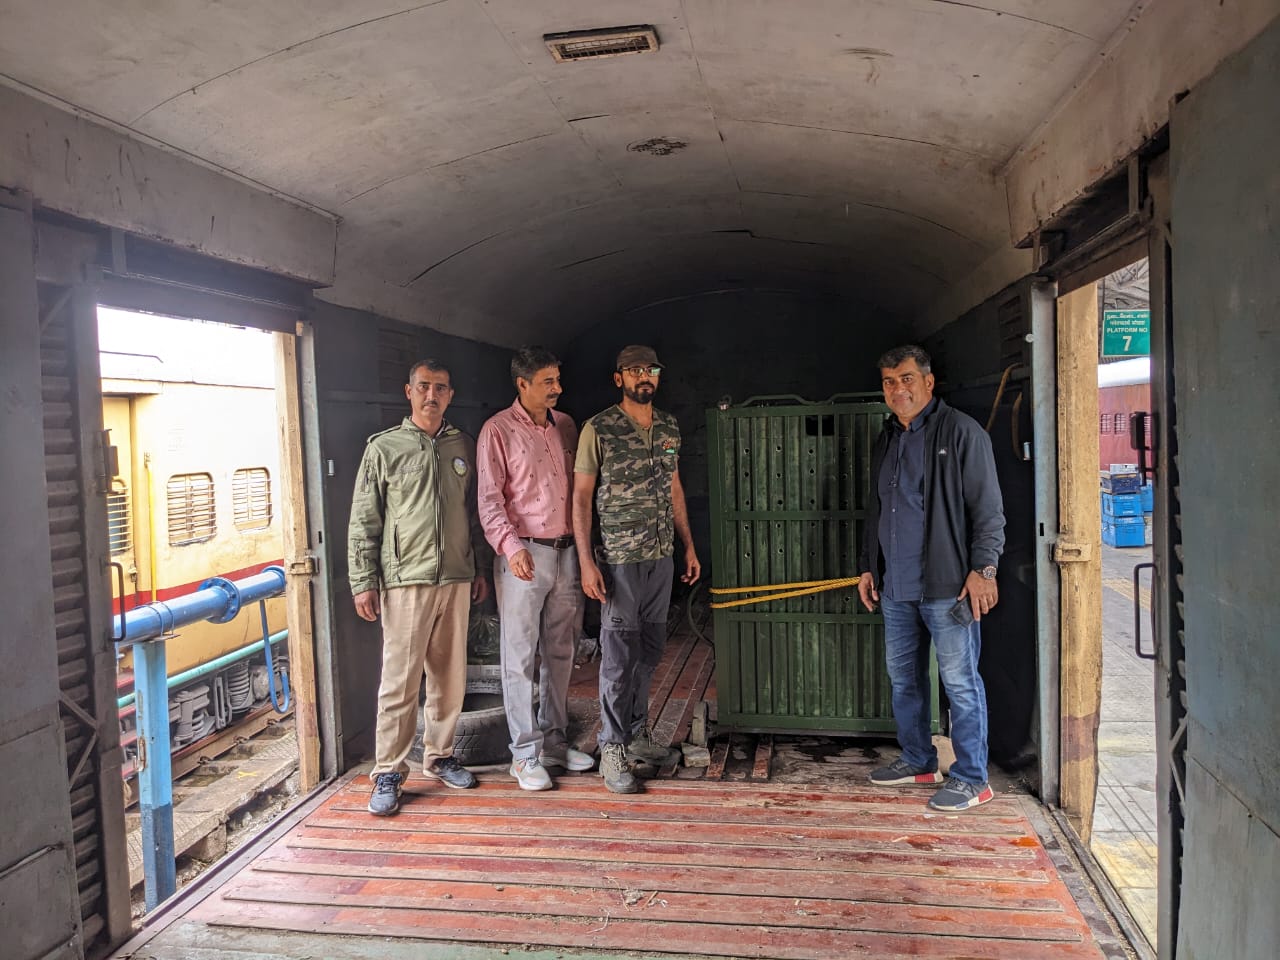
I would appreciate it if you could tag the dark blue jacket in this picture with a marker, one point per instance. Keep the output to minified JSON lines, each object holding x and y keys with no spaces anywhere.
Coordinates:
{"x":964,"y":512}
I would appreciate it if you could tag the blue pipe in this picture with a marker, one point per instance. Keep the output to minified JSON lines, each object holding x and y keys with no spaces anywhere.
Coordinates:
{"x":217,"y":600}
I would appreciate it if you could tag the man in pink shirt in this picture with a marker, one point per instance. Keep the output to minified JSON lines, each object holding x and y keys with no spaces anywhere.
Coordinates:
{"x":525,"y":457}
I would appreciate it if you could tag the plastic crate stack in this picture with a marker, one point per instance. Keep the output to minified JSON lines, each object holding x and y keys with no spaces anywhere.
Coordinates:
{"x":1126,"y":506}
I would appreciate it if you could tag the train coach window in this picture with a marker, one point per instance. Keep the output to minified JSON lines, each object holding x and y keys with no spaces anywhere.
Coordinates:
{"x":118,"y":518}
{"x":251,"y":498}
{"x":191,"y":518}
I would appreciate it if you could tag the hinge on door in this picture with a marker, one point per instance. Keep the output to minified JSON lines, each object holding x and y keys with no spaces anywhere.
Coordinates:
{"x":1070,"y":551}
{"x":300,"y":566}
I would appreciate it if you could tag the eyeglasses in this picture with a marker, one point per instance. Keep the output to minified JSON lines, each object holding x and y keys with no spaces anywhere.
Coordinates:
{"x":641,"y":371}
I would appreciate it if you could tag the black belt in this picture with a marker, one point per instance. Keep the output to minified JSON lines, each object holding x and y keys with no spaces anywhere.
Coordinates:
{"x":560,"y":543}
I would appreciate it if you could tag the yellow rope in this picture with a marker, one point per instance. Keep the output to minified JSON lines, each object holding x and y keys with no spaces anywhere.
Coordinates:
{"x":799,"y":589}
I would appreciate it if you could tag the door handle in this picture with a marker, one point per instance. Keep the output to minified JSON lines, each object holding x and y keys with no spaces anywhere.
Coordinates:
{"x":1137,"y":613}
{"x":119,"y":571}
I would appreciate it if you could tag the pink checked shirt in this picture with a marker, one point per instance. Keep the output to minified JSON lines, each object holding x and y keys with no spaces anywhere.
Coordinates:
{"x":525,"y":477}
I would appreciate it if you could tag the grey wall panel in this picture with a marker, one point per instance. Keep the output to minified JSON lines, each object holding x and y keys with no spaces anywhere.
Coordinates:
{"x":35,"y":925}
{"x":36,"y":873}
{"x":26,"y":630}
{"x":1226,"y":320}
{"x":1237,"y":916}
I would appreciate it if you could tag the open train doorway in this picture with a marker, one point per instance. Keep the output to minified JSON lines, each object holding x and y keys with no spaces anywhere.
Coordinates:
{"x":197,"y":483}
{"x":1124,"y":837}
{"x":1107,"y":484}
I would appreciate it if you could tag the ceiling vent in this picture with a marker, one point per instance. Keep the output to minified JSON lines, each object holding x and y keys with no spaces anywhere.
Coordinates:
{"x":607,"y":42}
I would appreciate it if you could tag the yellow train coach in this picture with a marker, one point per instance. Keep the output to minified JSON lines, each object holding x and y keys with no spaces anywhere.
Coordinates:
{"x":190,"y":410}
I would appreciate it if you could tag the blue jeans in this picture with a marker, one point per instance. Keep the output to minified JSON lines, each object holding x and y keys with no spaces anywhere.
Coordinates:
{"x":908,"y":627}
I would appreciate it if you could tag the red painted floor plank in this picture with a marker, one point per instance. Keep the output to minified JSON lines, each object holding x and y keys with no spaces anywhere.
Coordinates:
{"x":613,"y":932}
{"x":663,"y":905}
{"x":1039,"y":894}
{"x":731,"y":834}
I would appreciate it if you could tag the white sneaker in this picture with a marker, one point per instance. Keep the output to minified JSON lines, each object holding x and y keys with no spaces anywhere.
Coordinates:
{"x":531,"y":775}
{"x":572,"y":759}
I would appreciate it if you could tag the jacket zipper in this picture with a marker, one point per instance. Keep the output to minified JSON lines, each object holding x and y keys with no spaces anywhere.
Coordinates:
{"x":435,"y":481}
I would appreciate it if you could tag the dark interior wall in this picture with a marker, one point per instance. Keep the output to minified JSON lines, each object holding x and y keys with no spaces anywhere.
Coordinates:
{"x":362,"y":363}
{"x":969,"y":355}
{"x":1226,"y":325}
{"x":738,"y":345}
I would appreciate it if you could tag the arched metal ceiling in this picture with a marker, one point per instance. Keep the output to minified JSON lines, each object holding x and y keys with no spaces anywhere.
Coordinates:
{"x":848,"y":146}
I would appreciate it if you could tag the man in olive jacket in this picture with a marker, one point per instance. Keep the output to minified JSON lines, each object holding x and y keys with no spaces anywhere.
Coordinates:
{"x":415,"y":557}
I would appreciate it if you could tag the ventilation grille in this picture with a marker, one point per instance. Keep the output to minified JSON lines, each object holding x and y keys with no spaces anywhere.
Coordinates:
{"x":118,"y":527}
{"x":190,"y":502}
{"x":251,"y":498}
{"x":595,"y":44}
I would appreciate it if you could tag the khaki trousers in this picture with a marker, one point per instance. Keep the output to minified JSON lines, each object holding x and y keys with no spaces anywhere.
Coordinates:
{"x":424,"y":631}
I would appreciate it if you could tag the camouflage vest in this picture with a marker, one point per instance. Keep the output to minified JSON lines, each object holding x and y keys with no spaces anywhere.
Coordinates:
{"x":633,"y":492}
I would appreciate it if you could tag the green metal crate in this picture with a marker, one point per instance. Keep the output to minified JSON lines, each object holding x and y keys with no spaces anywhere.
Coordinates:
{"x":789,"y":484}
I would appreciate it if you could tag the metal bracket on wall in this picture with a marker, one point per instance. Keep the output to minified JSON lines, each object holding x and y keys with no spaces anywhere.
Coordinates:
{"x":1069,"y":551}
{"x":300,"y":566}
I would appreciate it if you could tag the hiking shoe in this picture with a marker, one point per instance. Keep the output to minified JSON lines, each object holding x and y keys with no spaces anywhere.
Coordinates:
{"x":571,"y":759}
{"x":643,"y":747}
{"x":902,"y":772}
{"x":618,"y":778}
{"x":957,"y":795}
{"x":452,"y":773}
{"x":386,"y":794}
{"x":531,"y":774}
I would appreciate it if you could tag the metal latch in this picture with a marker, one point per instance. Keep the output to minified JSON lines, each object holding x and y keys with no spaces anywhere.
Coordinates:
{"x":300,"y":566}
{"x":1070,"y":551}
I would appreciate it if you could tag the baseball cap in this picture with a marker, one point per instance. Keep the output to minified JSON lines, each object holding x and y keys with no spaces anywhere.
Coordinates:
{"x":637,"y":356}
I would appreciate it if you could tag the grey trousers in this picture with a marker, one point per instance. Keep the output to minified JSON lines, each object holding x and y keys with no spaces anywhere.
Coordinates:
{"x":633,"y":631}
{"x":539,"y":619}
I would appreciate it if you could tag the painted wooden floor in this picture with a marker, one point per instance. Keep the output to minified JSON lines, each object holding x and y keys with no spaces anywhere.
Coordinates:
{"x":710,"y":869}
{"x":739,"y":867}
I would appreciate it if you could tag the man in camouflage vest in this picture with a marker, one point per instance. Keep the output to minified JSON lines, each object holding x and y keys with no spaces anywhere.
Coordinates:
{"x":627,"y":460}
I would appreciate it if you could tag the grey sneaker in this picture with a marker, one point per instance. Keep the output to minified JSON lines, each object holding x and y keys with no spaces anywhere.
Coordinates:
{"x":385,"y":799}
{"x":531,"y":774}
{"x":452,"y":773}
{"x":571,"y":759}
{"x":643,"y":747}
{"x":956,"y":795}
{"x":902,"y":772}
{"x":618,"y":777}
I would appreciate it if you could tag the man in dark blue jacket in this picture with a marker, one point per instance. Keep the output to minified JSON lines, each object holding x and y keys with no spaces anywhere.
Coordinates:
{"x":933,"y":537}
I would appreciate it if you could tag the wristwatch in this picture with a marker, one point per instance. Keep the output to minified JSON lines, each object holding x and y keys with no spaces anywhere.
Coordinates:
{"x":988,"y":572}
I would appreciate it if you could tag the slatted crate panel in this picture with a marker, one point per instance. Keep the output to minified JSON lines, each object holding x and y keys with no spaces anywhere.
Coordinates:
{"x":789,"y":488}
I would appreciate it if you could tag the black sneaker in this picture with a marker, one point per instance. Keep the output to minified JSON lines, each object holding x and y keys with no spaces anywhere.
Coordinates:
{"x":452,"y":773}
{"x":902,"y":772}
{"x":386,"y":794}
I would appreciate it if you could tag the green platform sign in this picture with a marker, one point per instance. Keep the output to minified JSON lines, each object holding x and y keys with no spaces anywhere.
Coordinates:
{"x":1126,"y":333}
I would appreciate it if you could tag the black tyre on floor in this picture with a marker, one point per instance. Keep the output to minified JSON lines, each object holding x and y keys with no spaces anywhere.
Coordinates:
{"x":481,"y":736}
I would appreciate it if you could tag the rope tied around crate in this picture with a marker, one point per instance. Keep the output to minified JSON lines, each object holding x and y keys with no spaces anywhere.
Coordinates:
{"x":798,"y":589}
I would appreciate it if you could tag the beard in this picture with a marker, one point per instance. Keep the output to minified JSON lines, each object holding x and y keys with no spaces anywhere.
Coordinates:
{"x":642,"y":394}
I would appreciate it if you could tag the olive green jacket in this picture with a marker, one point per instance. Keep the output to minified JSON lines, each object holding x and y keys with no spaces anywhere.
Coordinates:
{"x":413,"y":514}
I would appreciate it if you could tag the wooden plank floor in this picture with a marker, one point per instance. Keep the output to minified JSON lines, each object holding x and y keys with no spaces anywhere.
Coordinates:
{"x":726,"y":870}
{"x":693,"y":867}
